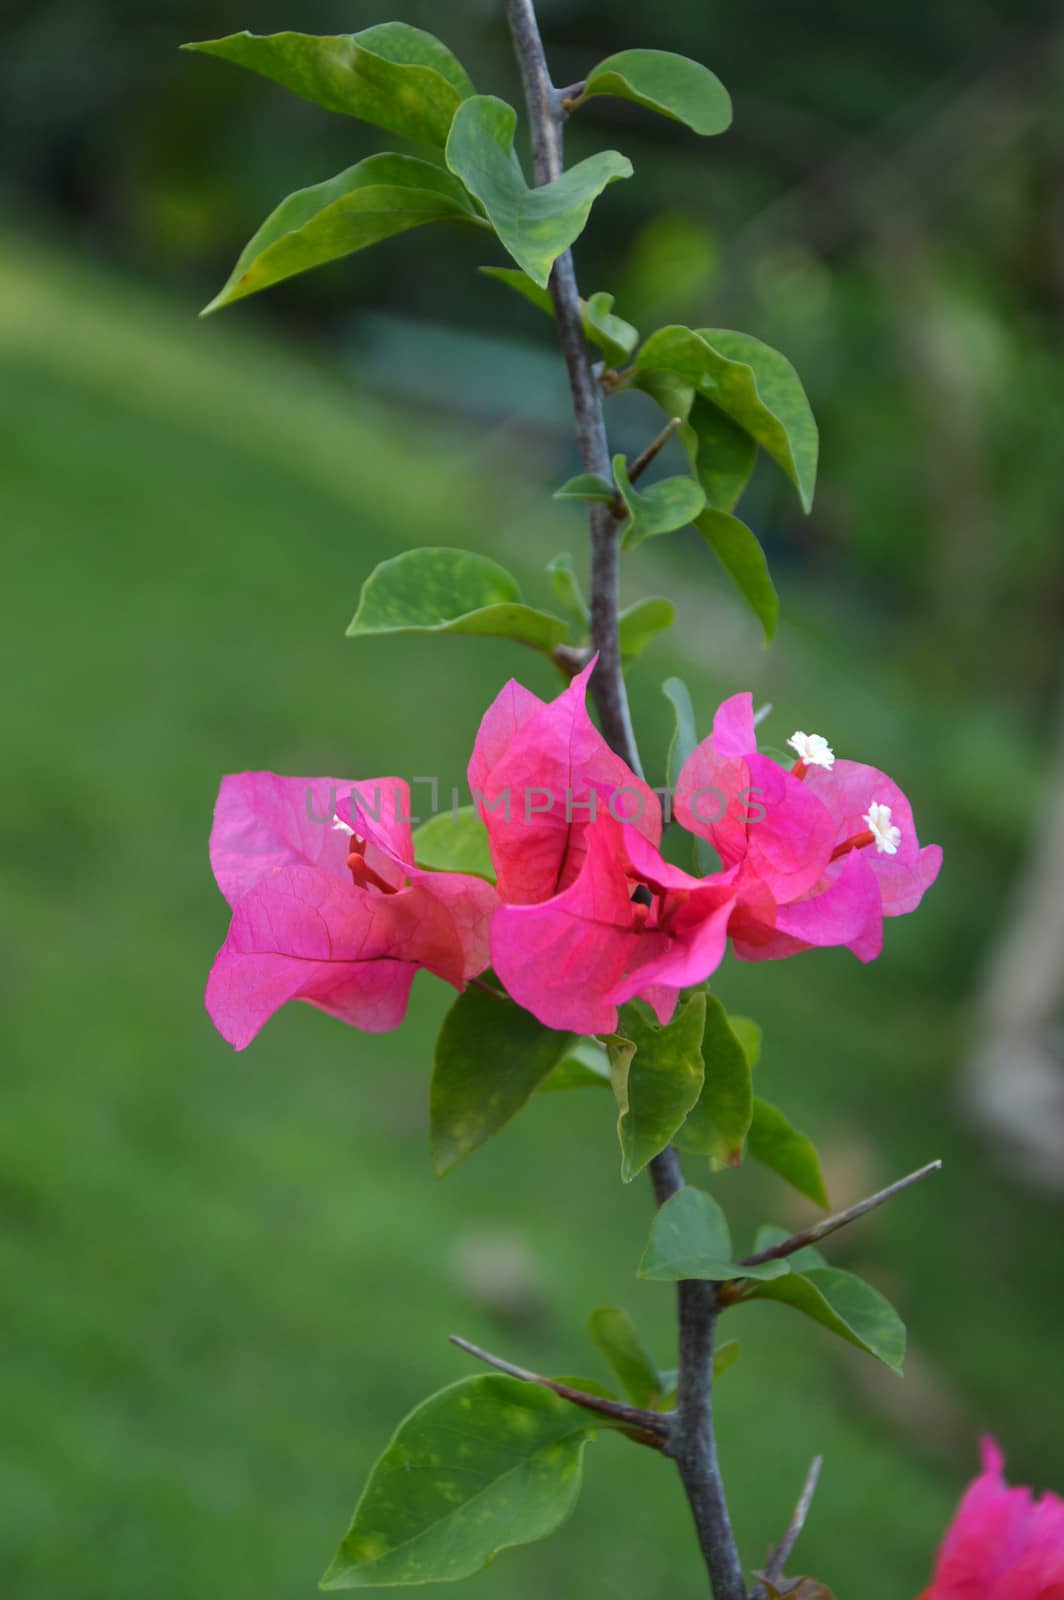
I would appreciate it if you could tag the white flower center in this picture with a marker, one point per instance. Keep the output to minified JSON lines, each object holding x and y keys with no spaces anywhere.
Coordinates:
{"x":887,"y":836}
{"x":813,"y":749}
{"x":342,"y":827}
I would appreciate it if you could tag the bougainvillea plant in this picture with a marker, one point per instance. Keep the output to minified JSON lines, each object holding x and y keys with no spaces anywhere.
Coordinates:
{"x":581,"y":954}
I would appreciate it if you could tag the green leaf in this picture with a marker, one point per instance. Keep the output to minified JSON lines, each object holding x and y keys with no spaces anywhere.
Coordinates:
{"x":776,"y":1144}
{"x":535,"y":225}
{"x":752,"y":384}
{"x":690,"y":1239}
{"x":772,"y":407}
{"x":455,"y":841}
{"x":585,"y":1067}
{"x":669,"y":504}
{"x":748,"y":1033}
{"x":612,"y":1330}
{"x":586,"y":486}
{"x":450,"y":591}
{"x":381,"y":196}
{"x":487,"y":1463}
{"x":718,"y":1124}
{"x":722,"y":453}
{"x":640,"y":622}
{"x":491,"y":1057}
{"x":391,"y":75}
{"x":769,"y":1236}
{"x":685,"y":734}
{"x":672,"y":85}
{"x":567,"y":590}
{"x":845,"y":1304}
{"x":657,"y":1075}
{"x":739,"y":552}
{"x":614,"y":337}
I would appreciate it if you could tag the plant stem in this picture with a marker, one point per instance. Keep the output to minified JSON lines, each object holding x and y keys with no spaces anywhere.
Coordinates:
{"x":692,"y":1443}
{"x":691,"y":1440}
{"x":820,"y":1230}
{"x":547,"y":116}
{"x":779,"y":1557}
{"x":651,"y":1426}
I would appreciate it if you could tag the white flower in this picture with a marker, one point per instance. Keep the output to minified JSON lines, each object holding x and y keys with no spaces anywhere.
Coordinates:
{"x":813,"y":749}
{"x":887,"y":836}
{"x":342,"y":827}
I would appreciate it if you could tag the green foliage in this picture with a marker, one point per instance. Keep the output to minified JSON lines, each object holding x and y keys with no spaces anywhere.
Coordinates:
{"x":672,"y":85}
{"x":586,"y":486}
{"x":685,"y":733}
{"x":614,"y":1333}
{"x":722,"y":453}
{"x":585,"y":1067}
{"x":718,"y":1123}
{"x":488,"y":1463}
{"x":450,"y":591}
{"x":567,"y":590}
{"x":391,"y":75}
{"x":536,"y":225}
{"x":669,"y":504}
{"x":491,"y":1057}
{"x":748,"y":1032}
{"x":690,"y":1238}
{"x":840,"y":1301}
{"x":614,"y":337}
{"x":455,"y":841}
{"x":749,"y":382}
{"x":739,"y":552}
{"x":657,"y":1076}
{"x":640,"y":622}
{"x":381,"y":196}
{"x":775,"y":1143}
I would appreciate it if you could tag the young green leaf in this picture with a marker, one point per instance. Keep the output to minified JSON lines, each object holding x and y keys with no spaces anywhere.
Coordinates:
{"x":586,"y":486}
{"x":771,"y":404}
{"x":669,"y":504}
{"x":536,"y":225}
{"x":791,"y":1154}
{"x":748,"y":1033}
{"x":567,"y":590}
{"x":488,"y":1463}
{"x":639,"y":623}
{"x":450,"y":591}
{"x":718,"y":1123}
{"x":381,"y":196}
{"x":613,"y":1332}
{"x":722,"y":453}
{"x":842,"y":1302}
{"x":491,"y":1057}
{"x":391,"y":75}
{"x":585,"y":1067}
{"x":685,"y":733}
{"x":614,"y":337}
{"x":455,"y":841}
{"x":657,"y":1076}
{"x":672,"y":85}
{"x":752,"y":384}
{"x":739,"y":552}
{"x":690,"y":1238}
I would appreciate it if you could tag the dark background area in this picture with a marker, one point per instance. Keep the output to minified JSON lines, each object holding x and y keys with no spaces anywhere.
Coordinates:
{"x":224,"y":1279}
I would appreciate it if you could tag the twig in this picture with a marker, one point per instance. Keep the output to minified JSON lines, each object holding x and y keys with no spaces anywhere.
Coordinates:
{"x":820,"y":1230}
{"x":642,"y":461}
{"x":652,"y":1423}
{"x":780,"y":1554}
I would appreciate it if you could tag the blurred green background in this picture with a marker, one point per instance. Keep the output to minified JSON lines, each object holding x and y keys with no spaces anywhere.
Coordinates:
{"x":224,"y":1278}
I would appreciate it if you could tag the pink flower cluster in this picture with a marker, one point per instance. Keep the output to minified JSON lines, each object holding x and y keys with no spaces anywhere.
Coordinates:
{"x":587,"y":912}
{"x":1003,"y":1544}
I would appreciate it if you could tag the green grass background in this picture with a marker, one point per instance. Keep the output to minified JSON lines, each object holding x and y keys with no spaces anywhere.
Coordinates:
{"x":223,"y":1279}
